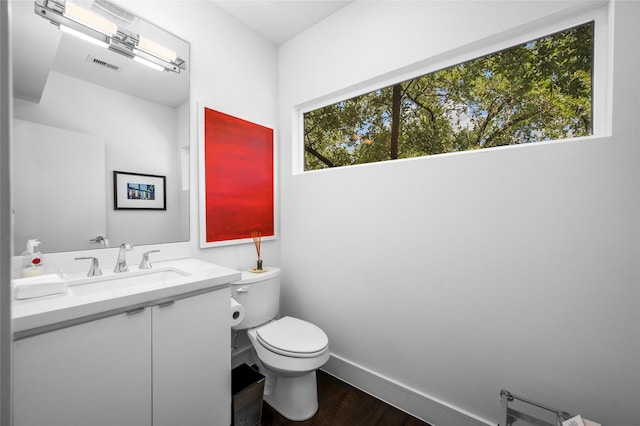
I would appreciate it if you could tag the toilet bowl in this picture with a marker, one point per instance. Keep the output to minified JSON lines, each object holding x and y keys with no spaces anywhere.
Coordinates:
{"x":288,"y":351}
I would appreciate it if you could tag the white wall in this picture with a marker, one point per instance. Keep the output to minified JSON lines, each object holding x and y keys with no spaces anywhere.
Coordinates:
{"x":456,"y":276}
{"x":234,"y":71}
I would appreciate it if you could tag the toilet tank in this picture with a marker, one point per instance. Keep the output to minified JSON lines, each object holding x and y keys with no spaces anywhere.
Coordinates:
{"x":259,"y":294}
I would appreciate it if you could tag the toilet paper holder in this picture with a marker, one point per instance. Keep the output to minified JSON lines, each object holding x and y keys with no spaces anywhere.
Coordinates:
{"x":237,"y":312}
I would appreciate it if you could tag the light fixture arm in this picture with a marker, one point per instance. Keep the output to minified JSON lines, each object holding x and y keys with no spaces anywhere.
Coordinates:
{"x":124,"y":42}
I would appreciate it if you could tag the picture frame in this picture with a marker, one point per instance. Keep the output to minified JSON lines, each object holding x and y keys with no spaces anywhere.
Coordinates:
{"x":137,"y":191}
{"x":237,"y":180}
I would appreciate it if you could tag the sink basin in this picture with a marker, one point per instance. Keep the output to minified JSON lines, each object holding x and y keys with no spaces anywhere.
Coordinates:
{"x":126,"y":281}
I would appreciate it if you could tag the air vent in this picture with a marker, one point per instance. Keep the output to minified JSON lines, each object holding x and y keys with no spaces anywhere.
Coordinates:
{"x":102,"y":63}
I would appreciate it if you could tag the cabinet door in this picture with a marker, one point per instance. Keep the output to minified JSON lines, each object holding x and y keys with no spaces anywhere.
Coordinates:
{"x":96,"y":373}
{"x":192,"y":361}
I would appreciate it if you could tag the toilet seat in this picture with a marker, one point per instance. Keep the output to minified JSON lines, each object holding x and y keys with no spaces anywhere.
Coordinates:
{"x":293,"y":337}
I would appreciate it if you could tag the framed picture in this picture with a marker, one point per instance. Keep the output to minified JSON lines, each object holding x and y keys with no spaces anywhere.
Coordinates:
{"x":237,"y":180}
{"x":136,"y":191}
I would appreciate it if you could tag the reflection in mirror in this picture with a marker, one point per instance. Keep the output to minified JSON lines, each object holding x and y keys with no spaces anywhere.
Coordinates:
{"x":82,"y":111}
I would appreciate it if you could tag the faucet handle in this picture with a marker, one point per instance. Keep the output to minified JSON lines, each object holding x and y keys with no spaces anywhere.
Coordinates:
{"x":146,"y":264}
{"x":94,"y":270}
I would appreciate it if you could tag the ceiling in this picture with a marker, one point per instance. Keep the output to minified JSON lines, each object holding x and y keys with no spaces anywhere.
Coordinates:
{"x":280,"y":20}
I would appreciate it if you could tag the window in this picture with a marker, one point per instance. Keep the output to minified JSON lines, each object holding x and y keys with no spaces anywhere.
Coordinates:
{"x":538,"y":91}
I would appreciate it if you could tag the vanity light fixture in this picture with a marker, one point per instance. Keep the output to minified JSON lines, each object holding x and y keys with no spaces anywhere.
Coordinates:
{"x":88,"y":18}
{"x":157,"y":50}
{"x":148,"y":63}
{"x":149,"y":52}
{"x":90,"y":26}
{"x":83,"y":36}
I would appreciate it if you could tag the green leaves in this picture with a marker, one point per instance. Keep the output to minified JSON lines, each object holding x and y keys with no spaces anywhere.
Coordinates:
{"x":537,"y":91}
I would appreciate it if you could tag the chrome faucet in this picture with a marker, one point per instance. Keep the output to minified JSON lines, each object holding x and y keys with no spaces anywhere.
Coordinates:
{"x":121,"y":266}
{"x":94,"y":270}
{"x":146,"y":264}
{"x":101,"y":240}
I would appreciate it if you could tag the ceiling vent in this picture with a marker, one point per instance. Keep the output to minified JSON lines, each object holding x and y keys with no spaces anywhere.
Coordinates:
{"x":102,"y":63}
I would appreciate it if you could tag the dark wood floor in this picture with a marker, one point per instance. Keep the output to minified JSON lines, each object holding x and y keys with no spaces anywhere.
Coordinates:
{"x":341,"y":404}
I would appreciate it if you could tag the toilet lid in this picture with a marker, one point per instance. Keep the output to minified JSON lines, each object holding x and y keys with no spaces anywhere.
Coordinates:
{"x":293,"y":337}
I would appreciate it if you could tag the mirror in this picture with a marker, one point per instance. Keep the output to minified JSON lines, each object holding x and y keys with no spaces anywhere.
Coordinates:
{"x":82,"y":112}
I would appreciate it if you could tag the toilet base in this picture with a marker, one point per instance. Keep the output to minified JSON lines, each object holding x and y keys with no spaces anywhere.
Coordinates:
{"x":294,"y":397}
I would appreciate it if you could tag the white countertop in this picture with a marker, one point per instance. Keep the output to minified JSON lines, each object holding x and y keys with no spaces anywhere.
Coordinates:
{"x":85,"y":297}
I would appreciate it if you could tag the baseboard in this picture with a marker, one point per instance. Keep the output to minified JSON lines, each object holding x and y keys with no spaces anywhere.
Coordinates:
{"x":429,"y":409}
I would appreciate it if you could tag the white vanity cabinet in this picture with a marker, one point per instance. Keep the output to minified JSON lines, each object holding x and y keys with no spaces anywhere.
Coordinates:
{"x":94,"y":373}
{"x":192,"y":361}
{"x":164,"y":364}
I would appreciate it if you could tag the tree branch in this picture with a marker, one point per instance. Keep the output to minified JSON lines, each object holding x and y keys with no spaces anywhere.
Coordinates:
{"x":490,"y":114}
{"x":429,"y":110}
{"x":319,"y":156}
{"x":508,"y":125}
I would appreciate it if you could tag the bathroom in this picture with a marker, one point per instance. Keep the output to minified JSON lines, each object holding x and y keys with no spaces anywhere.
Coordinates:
{"x":427,"y":306}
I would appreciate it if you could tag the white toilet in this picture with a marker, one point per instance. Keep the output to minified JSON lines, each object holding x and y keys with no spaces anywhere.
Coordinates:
{"x":288,"y":350}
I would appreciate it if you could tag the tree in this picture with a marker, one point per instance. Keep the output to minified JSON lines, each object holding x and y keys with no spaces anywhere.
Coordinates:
{"x":538,"y":91}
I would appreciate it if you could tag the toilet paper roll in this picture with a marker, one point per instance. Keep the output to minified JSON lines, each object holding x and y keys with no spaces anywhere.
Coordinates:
{"x":237,"y":312}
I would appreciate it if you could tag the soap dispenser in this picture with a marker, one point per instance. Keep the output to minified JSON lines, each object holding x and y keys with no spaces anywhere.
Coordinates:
{"x":32,"y":262}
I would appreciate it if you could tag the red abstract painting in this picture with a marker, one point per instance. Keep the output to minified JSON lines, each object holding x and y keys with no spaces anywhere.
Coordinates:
{"x":238,"y":178}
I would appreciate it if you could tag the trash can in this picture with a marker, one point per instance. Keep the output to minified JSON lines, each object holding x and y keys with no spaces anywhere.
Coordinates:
{"x":247,"y":388}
